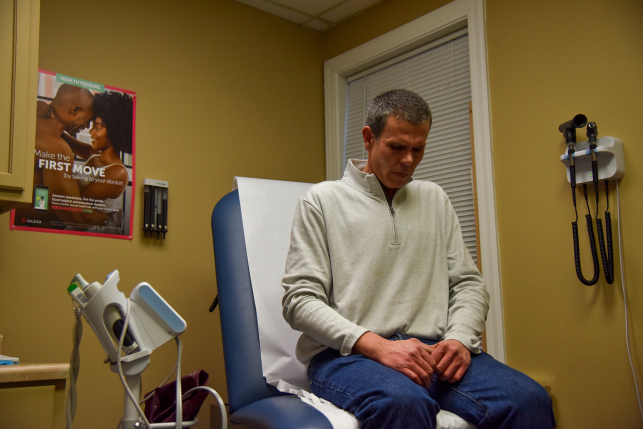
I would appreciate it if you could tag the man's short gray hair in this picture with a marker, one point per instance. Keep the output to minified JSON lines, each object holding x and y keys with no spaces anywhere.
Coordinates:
{"x":399,"y":103}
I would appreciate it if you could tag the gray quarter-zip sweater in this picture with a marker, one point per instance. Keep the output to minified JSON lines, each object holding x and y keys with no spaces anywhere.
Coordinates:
{"x":357,"y":264}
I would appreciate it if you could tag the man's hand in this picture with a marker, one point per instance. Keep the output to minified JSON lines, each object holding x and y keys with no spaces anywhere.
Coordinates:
{"x":410,"y":357}
{"x":452,"y":359}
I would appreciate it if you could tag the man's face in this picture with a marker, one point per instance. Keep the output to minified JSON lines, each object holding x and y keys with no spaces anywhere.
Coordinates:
{"x":80,"y":116}
{"x":400,"y":148}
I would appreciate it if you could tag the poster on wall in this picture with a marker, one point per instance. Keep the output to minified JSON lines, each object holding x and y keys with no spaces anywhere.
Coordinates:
{"x":84,"y":160}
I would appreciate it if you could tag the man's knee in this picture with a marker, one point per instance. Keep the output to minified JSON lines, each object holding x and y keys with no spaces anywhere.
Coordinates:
{"x":533,"y":395}
{"x":531,"y":405}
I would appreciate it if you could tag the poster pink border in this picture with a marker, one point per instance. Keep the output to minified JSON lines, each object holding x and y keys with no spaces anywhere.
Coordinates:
{"x":131,"y":220}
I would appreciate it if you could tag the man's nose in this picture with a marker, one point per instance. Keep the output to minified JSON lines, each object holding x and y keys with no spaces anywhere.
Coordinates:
{"x":407,"y":159}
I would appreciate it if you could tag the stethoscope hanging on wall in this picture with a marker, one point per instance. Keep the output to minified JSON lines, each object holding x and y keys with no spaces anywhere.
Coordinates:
{"x":611,"y":165}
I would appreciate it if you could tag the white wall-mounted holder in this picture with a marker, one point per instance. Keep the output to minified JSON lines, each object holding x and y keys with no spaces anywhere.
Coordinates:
{"x":609,"y":154}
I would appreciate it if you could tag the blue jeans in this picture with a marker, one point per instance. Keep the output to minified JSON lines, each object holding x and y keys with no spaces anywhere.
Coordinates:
{"x":491,"y":394}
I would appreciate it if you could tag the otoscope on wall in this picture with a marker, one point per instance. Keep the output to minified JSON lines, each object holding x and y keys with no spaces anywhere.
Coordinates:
{"x":569,"y":131}
{"x":591,"y":161}
{"x":599,"y":158}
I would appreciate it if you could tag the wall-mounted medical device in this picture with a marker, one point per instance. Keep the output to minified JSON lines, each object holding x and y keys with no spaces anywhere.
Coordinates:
{"x":130,"y":329}
{"x":155,"y":207}
{"x":609,"y":157}
{"x":592,"y":161}
{"x":597,"y":159}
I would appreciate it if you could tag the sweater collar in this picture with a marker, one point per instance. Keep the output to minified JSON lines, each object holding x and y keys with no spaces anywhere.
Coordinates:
{"x":365,"y":182}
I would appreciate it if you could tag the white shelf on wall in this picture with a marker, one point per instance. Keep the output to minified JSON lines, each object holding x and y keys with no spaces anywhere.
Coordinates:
{"x":609,"y":154}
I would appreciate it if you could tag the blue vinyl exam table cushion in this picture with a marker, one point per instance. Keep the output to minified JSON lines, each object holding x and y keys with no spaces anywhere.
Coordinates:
{"x":252,"y":402}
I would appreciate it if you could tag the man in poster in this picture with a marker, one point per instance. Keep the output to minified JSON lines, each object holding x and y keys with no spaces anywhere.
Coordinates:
{"x":71,"y":110}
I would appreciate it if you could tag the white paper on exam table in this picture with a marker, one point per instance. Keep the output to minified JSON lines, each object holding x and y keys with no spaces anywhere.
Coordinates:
{"x":338,"y":418}
{"x":341,"y":419}
{"x":267,"y":211}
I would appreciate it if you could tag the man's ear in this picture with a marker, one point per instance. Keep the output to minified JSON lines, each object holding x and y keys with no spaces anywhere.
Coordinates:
{"x":369,"y":138}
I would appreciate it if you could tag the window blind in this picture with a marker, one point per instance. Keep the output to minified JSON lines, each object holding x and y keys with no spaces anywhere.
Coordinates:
{"x":439,"y":73}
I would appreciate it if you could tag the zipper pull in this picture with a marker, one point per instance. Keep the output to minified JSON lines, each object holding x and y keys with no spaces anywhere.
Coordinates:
{"x":392,"y":211}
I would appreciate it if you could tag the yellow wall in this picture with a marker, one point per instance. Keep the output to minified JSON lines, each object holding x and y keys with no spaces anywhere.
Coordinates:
{"x":544,"y":68}
{"x":216,"y":99}
{"x":548,"y":61}
{"x":223,"y":89}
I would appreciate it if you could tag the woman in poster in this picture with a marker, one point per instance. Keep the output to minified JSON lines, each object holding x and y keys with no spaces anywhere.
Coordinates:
{"x":111,"y":134}
{"x":104,"y":176}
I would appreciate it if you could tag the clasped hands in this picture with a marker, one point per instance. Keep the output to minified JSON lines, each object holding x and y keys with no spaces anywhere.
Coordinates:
{"x":449,"y":359}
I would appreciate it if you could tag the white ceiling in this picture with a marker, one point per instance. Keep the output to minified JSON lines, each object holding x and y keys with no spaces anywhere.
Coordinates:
{"x":318,"y":14}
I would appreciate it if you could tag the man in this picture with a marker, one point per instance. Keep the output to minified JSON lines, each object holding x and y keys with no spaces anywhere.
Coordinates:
{"x":389,"y":301}
{"x":71,"y":110}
